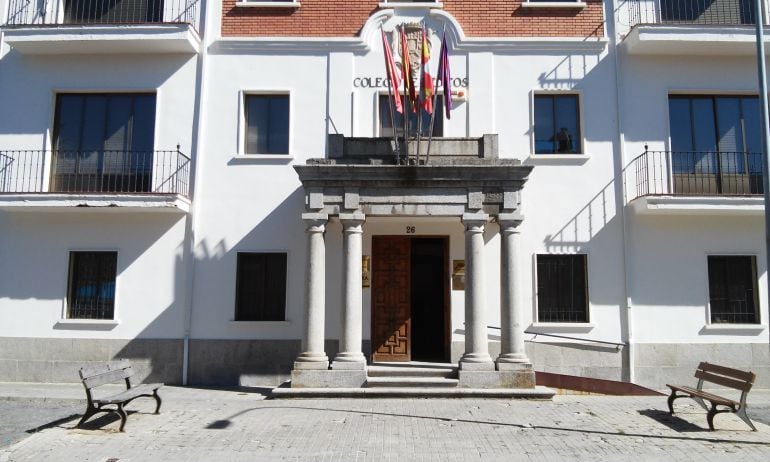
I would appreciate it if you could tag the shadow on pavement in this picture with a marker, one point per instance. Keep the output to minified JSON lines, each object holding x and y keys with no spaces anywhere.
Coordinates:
{"x":671,"y":421}
{"x":54,"y":423}
{"x":224,"y":423}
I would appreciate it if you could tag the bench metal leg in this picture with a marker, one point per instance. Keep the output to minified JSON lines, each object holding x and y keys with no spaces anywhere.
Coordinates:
{"x":157,"y":400}
{"x":713,"y":412}
{"x":671,"y":399}
{"x":90,"y":412}
{"x":123,"y":416}
{"x":745,"y":417}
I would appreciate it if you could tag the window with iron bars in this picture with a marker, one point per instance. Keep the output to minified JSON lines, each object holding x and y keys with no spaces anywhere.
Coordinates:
{"x":91,"y":293}
{"x":733,"y":289}
{"x":562,"y":288}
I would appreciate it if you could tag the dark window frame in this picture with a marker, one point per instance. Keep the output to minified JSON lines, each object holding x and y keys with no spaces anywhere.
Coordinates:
{"x":383,"y":111}
{"x":724,"y":295}
{"x":247,"y":96}
{"x":262,"y":313}
{"x":576,"y":139}
{"x":547,"y":312}
{"x":80,"y":290}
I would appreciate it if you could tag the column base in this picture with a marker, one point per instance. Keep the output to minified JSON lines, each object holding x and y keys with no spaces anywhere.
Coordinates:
{"x":524,"y":378}
{"x":311,"y":361}
{"x":477,"y":362}
{"x":328,"y":378}
{"x":349,"y":361}
{"x":513,"y":359}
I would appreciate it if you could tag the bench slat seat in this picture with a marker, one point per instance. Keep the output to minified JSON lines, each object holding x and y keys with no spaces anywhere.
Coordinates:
{"x":144,"y":389}
{"x":720,"y":375}
{"x":705,"y":395}
{"x":94,"y":376}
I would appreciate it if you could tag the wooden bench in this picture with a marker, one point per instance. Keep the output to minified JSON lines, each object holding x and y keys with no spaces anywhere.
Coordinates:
{"x":720,"y":375}
{"x":114,"y":372}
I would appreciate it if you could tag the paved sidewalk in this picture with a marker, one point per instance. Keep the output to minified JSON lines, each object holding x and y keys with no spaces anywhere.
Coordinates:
{"x":225,"y":425}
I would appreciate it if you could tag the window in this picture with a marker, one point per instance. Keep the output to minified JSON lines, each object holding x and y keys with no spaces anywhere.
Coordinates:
{"x":707,"y":12}
{"x":136,"y":11}
{"x":91,"y":293}
{"x":716,"y":144}
{"x":386,"y":128}
{"x":260,"y":287}
{"x":103,"y":142}
{"x":267,"y":124}
{"x":733,"y":289}
{"x":557,"y":124}
{"x":562,"y":288}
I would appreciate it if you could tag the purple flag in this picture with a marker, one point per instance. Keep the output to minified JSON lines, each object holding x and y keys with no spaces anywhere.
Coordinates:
{"x":445,"y":77}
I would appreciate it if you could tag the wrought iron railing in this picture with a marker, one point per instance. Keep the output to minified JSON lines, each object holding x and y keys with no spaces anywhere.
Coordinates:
{"x":686,"y":173}
{"x":81,"y":12}
{"x":684,"y":12}
{"x":118,"y":172}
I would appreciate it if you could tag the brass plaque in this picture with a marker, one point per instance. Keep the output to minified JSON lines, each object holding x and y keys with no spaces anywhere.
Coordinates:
{"x":366,"y":277}
{"x":458,"y":274}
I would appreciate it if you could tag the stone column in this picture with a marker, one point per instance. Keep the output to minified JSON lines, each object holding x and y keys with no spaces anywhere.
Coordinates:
{"x":313,"y":354}
{"x":476,"y":357}
{"x":350,"y":355}
{"x":514,"y":366}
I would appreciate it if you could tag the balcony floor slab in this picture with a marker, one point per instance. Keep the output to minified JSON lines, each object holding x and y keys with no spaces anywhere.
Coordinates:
{"x":695,"y":39}
{"x":63,"y":202}
{"x":698,"y":205}
{"x":103,"y":39}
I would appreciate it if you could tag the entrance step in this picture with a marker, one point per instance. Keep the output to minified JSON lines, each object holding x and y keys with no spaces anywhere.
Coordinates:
{"x":404,"y":382}
{"x":538,"y":393}
{"x":448,"y":371}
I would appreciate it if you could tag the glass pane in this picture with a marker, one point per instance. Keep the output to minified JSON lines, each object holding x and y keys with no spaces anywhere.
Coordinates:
{"x":278,"y":140}
{"x":92,"y":143}
{"x":752,"y":127}
{"x":386,"y":128}
{"x":267,"y":124}
{"x":544,"y":125}
{"x":730,"y":132}
{"x":705,"y":135}
{"x":680,"y":123}
{"x":143,"y":123}
{"x":567,"y":136}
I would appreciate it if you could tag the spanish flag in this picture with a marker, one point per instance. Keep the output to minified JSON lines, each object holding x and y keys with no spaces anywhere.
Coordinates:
{"x":393,"y":77}
{"x":406,"y":71}
{"x":426,"y":81}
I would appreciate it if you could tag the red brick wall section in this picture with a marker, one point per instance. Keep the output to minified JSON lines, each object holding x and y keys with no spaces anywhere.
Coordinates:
{"x":479,"y":18}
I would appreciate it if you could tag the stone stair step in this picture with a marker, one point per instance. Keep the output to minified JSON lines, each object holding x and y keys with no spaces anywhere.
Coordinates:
{"x":392,"y":371}
{"x":406,"y":382}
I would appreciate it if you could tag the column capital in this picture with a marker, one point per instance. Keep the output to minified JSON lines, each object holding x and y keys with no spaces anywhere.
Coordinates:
{"x":510,"y":221}
{"x":315,"y":222}
{"x":475,"y":221}
{"x":352,"y":217}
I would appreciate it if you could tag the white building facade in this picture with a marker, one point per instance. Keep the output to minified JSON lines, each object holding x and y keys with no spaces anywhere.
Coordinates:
{"x":210,"y":190}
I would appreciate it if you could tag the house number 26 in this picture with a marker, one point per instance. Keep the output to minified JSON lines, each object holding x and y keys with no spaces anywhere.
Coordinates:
{"x":410,"y":230}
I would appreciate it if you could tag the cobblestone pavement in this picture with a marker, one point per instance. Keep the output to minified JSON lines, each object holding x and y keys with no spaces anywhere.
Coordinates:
{"x":219,"y":425}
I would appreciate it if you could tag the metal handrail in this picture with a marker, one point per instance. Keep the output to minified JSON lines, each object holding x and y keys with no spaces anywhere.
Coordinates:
{"x":86,"y":12}
{"x":695,"y":173}
{"x":94,"y":171}
{"x":691,"y":12}
{"x":604,"y":342}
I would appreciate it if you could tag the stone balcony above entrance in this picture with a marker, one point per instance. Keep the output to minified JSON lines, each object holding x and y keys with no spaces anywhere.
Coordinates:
{"x":443,"y":151}
{"x":461,"y":175}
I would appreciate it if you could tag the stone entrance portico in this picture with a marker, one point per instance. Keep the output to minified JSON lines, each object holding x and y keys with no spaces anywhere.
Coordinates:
{"x":465,"y":180}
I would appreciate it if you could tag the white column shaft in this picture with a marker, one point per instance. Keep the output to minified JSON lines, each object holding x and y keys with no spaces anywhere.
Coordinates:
{"x":313,"y":353}
{"x":511,"y":308}
{"x":476,"y":346}
{"x":352,"y":324}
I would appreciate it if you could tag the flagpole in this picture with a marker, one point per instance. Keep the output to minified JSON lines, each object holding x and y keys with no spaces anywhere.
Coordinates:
{"x":390,"y":104}
{"x":435,"y":95}
{"x":406,"y":98}
{"x":422,"y":76}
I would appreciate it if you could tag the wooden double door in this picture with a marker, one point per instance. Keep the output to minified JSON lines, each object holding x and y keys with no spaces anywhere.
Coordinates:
{"x":410,"y":299}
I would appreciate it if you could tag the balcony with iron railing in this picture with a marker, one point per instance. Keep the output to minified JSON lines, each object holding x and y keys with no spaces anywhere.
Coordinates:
{"x":103,"y":26}
{"x":709,"y":27}
{"x":695,"y":182}
{"x":57,"y":178}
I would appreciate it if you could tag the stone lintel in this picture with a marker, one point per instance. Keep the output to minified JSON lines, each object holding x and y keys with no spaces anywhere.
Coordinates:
{"x":354,"y":216}
{"x":510,"y":219}
{"x":478,"y":218}
{"x":497,"y":379}
{"x":328,"y":378}
{"x":313,"y":216}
